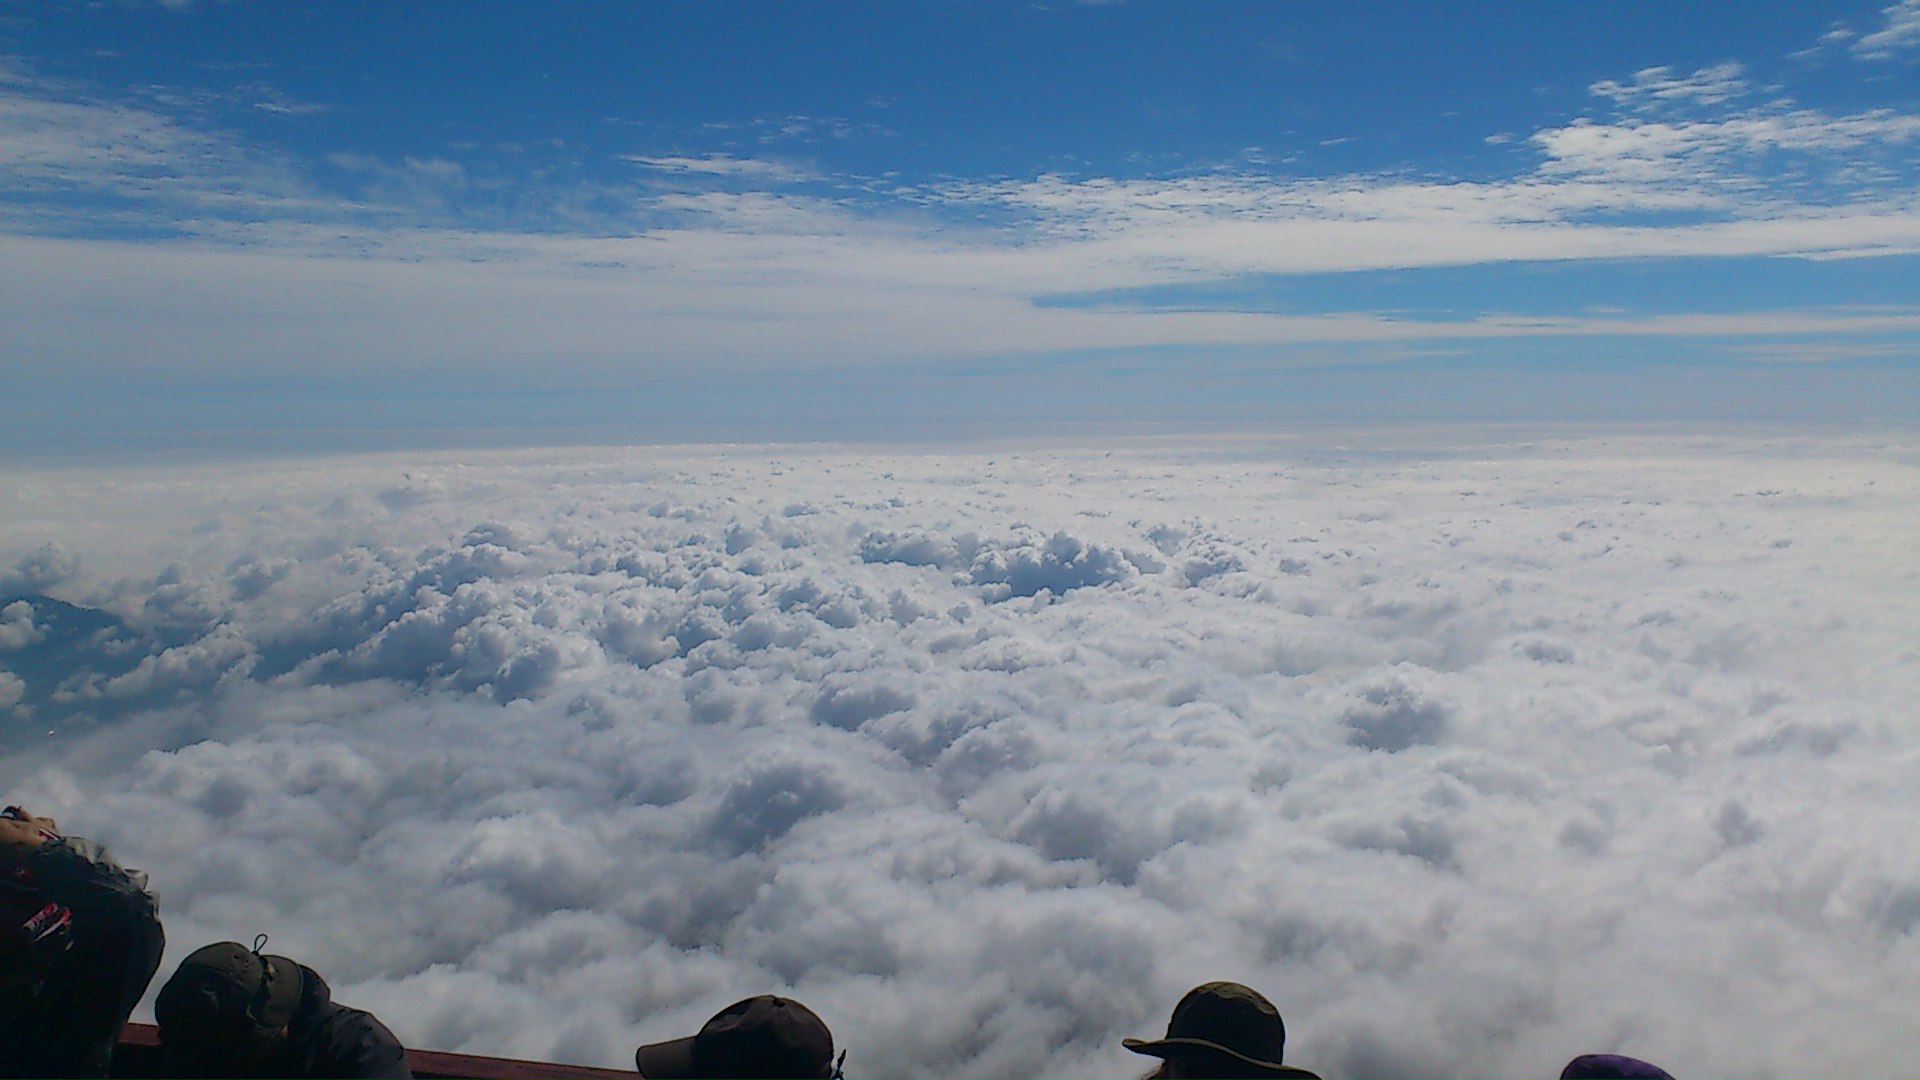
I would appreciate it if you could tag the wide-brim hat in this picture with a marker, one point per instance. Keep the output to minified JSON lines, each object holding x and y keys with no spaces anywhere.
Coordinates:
{"x":1224,"y":1018}
{"x":764,"y":1036}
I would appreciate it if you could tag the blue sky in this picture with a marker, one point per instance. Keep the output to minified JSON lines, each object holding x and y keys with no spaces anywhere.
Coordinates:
{"x":289,"y":226}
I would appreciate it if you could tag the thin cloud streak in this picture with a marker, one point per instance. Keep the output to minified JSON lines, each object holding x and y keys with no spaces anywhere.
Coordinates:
{"x":275,"y":316}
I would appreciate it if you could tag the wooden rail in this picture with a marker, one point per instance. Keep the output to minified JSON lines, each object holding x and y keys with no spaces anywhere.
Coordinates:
{"x":138,"y":1055}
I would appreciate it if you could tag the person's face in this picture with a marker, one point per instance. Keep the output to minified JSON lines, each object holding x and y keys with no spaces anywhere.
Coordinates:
{"x":1201,"y":1065}
{"x":22,"y":834}
{"x":1176,"y":1069}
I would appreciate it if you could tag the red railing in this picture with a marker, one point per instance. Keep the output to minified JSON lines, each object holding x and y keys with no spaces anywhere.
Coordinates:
{"x":138,"y":1055}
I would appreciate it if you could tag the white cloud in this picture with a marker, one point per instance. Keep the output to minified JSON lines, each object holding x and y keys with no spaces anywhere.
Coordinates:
{"x":714,"y":259}
{"x":16,"y":626}
{"x":718,"y":165}
{"x":704,"y":301}
{"x":1659,"y":86}
{"x":1901,"y":31}
{"x":59,"y":141}
{"x":1699,"y":152}
{"x":59,"y":137}
{"x":270,"y":100}
{"x":1472,"y":756}
{"x":1818,"y":352}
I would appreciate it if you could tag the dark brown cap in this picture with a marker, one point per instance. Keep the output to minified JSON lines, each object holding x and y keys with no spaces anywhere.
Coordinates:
{"x":763,"y":1036}
{"x":1224,"y":1018}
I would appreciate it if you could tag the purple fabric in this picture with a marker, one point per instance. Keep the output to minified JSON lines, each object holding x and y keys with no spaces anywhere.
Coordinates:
{"x":1609,"y":1066}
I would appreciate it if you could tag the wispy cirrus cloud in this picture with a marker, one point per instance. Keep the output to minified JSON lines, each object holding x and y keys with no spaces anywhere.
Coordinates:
{"x":718,"y":261}
{"x":1900,"y":32}
{"x":1660,"y":86}
{"x":1897,"y":30}
{"x":1591,"y":177}
{"x":270,"y":100}
{"x":718,"y":165}
{"x":1820,"y":155}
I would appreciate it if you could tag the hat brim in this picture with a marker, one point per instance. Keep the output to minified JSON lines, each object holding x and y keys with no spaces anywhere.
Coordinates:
{"x":1161,"y":1048}
{"x":670,"y":1060}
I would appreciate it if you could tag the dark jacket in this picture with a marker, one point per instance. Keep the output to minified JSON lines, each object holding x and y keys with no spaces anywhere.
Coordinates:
{"x":329,"y":1040}
{"x":65,"y":1023}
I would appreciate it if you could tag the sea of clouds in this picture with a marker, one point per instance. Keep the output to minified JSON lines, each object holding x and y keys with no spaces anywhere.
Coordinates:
{"x":1472,"y":757}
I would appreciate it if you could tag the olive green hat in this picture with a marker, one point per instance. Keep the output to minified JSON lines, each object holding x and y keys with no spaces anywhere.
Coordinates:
{"x":1225,"y":1018}
{"x":227,"y":991}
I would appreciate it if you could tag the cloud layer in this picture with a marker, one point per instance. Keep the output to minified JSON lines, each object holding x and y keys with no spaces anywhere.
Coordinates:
{"x":1473,"y":758}
{"x":669,"y":264}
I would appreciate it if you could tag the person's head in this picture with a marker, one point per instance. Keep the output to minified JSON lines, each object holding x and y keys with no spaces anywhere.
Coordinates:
{"x":22,"y":833}
{"x":765,"y":1036}
{"x":1612,"y":1067}
{"x":1221,"y":1029}
{"x":226,"y":1009}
